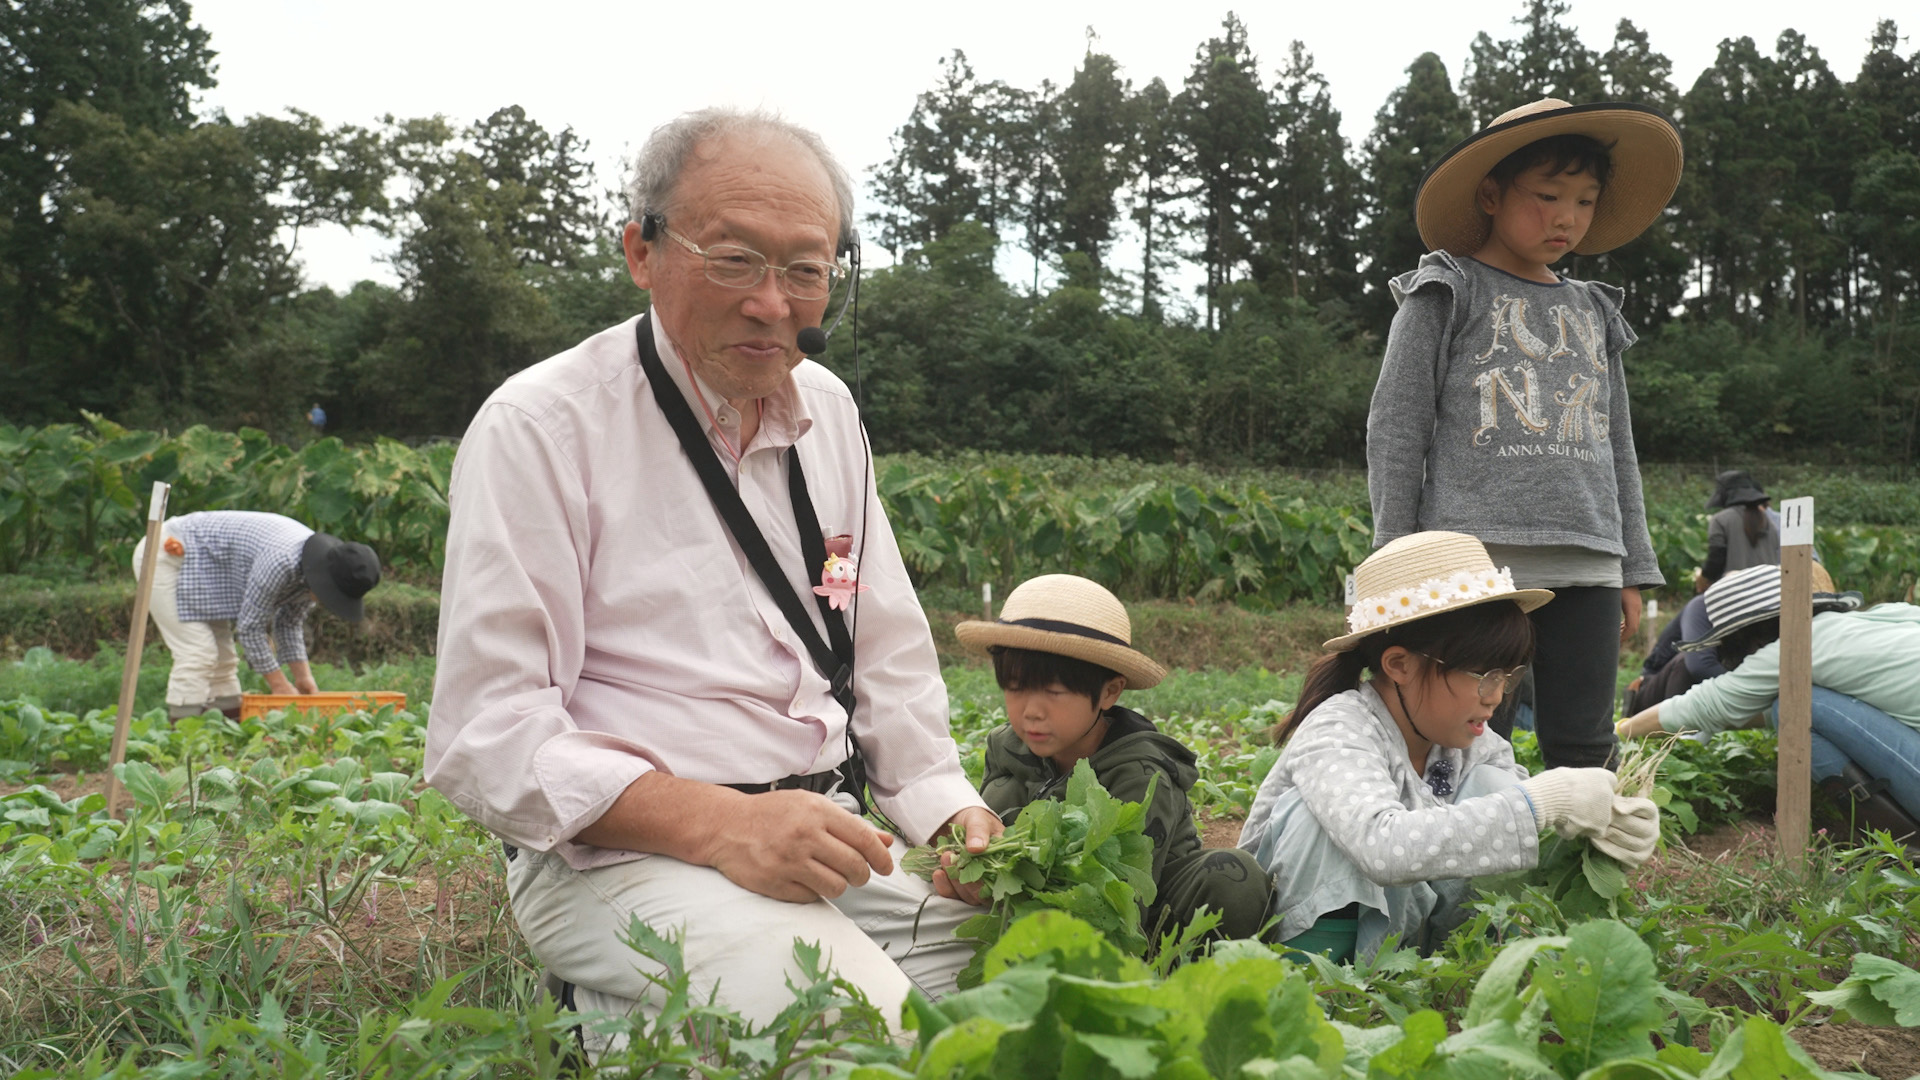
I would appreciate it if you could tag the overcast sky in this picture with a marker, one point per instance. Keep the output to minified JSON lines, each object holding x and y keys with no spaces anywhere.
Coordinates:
{"x":614,"y":70}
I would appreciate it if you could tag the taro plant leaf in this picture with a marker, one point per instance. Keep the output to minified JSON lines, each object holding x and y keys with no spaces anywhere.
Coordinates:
{"x":1880,"y":992}
{"x":1604,"y":996}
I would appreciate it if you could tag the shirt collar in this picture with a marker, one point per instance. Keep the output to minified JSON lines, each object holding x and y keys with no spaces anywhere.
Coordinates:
{"x":783,"y":417}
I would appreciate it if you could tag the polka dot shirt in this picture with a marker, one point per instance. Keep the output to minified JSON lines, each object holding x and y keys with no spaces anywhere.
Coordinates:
{"x":1350,"y":765}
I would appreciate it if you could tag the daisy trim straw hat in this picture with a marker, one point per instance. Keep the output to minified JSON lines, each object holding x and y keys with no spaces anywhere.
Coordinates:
{"x":1071,"y":616}
{"x":1643,"y":143}
{"x":1748,"y":596}
{"x":1424,"y":574}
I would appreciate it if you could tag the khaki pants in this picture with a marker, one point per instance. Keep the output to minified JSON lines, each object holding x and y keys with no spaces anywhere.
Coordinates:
{"x":206,"y":671}
{"x":737,"y":943}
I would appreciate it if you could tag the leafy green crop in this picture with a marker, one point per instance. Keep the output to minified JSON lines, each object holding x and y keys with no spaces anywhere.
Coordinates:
{"x":1085,"y":854}
{"x":1061,"y":1001}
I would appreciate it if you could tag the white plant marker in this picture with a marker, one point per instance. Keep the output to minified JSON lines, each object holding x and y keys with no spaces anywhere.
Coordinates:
{"x":1793,"y":813}
{"x":136,"y":641}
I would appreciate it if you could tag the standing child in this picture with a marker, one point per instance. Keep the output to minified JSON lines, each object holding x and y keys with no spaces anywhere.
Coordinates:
{"x":1062,"y":652}
{"x":1390,"y":793}
{"x":1501,"y":410}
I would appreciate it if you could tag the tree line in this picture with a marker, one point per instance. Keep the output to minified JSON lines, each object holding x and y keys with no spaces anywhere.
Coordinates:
{"x":1043,"y":240}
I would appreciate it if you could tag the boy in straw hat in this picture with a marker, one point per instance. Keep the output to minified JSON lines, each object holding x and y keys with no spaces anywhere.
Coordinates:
{"x":1866,"y":692}
{"x":1501,"y":410}
{"x":1391,"y":790}
{"x":1062,"y":652}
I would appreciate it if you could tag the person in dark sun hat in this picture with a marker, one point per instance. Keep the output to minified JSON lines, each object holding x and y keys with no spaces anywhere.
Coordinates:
{"x":1866,"y":692}
{"x":227,"y":575}
{"x":1063,"y":653}
{"x":1501,"y":408}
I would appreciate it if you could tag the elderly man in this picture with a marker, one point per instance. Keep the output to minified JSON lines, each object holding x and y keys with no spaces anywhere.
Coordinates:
{"x":618,"y":689}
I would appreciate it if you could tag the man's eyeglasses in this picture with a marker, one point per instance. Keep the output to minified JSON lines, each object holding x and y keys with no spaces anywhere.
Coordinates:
{"x":1489,"y":683}
{"x":739,"y":267}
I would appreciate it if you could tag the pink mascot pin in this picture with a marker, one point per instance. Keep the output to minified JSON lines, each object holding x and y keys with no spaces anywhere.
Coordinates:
{"x":839,"y":581}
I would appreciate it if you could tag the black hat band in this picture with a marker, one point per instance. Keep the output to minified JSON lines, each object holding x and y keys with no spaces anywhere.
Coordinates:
{"x":1059,"y":627}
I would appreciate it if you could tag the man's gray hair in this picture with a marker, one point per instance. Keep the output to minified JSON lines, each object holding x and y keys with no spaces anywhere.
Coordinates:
{"x":658,"y":165}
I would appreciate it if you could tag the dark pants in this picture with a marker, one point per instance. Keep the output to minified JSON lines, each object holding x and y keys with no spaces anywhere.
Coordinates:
{"x":1226,"y":880}
{"x":1669,"y":682}
{"x":1576,"y":660}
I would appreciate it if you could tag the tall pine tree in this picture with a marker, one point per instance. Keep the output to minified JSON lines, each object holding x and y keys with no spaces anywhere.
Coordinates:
{"x":1421,"y":119}
{"x":1226,"y":133}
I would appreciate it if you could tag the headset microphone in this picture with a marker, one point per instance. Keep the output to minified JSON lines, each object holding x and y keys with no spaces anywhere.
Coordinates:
{"x":812,"y":340}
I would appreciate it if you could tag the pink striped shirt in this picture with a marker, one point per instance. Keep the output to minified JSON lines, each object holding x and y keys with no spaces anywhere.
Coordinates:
{"x":597,"y":620}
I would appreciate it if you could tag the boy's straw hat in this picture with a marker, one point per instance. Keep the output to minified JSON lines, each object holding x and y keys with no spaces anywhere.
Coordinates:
{"x":1071,"y":616}
{"x":1748,"y":596}
{"x":1646,"y":153}
{"x":1424,"y":574}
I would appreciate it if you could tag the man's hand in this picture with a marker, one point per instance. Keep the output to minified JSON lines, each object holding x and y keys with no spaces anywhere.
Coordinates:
{"x":1629,"y":613}
{"x":795,"y":846}
{"x":981,"y":826}
{"x":303,"y":678}
{"x":278,"y":684}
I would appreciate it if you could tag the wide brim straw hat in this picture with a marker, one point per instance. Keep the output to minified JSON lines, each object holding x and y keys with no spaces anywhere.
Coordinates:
{"x":1748,"y":596}
{"x":1643,"y":144}
{"x":1422,"y":575}
{"x":1070,"y":616}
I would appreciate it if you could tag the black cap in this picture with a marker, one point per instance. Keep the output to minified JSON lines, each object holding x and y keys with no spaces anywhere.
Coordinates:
{"x":1735,"y":488}
{"x":339,"y":573}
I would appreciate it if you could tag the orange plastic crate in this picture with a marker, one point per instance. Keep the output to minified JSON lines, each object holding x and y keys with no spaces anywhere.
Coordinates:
{"x":333,"y":701}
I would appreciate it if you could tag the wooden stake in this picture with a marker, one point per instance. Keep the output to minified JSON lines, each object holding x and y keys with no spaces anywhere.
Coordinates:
{"x":1792,"y":811}
{"x":136,"y":643}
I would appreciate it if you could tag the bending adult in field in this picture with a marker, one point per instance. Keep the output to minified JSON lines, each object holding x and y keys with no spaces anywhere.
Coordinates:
{"x":1866,"y":692}
{"x":227,"y":574}
{"x":1744,"y":532}
{"x":617,"y":688}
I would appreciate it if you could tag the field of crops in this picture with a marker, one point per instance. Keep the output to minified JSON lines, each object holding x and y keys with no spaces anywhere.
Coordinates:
{"x":285,"y":898}
{"x":72,"y":498}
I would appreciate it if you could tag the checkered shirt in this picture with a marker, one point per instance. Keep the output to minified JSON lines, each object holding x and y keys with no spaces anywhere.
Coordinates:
{"x":244,"y":567}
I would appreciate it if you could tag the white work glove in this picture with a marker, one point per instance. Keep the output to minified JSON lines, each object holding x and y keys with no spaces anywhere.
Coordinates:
{"x":1581,"y":802}
{"x":1633,"y":832}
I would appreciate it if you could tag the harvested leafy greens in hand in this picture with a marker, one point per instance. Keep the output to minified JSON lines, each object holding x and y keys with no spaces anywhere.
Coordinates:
{"x":1085,"y":855}
{"x":1582,"y":880}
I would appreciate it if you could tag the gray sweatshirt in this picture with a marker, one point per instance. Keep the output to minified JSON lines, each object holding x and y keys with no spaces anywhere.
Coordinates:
{"x":1501,"y":412}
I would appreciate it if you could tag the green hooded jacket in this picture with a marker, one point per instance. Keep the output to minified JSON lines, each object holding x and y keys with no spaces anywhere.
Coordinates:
{"x":1133,"y":752}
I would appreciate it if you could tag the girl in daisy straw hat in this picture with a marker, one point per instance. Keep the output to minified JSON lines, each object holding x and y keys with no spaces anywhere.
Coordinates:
{"x":1501,"y":409}
{"x":1391,"y":791}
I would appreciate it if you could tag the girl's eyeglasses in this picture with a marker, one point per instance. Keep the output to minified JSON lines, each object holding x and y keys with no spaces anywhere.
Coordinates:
{"x":1490,"y":683}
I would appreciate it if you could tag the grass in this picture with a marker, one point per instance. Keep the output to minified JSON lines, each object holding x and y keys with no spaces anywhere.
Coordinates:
{"x":287,"y":883}
{"x":55,"y":682}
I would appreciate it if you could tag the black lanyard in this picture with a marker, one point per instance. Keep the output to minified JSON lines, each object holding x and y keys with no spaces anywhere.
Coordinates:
{"x":834,"y":660}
